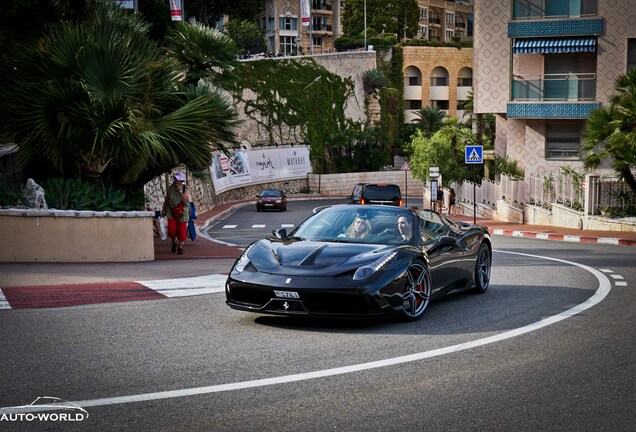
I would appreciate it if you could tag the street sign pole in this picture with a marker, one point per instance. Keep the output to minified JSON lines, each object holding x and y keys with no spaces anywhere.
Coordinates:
{"x":406,"y":189}
{"x":474,"y":155}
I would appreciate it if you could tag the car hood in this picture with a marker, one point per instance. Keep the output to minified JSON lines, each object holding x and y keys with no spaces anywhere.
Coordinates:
{"x":309,"y":258}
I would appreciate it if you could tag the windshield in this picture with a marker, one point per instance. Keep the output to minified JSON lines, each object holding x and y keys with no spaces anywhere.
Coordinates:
{"x":271,"y":193}
{"x":355,"y":224}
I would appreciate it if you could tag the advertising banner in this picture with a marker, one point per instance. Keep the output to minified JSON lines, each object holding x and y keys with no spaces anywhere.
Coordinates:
{"x":258,"y":166}
{"x":305,"y":12}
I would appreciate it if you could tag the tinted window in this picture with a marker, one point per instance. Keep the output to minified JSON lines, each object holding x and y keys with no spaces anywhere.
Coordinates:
{"x":382,"y":193}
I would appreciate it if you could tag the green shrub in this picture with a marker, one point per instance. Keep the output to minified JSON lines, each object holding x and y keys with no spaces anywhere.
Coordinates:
{"x":75,"y":194}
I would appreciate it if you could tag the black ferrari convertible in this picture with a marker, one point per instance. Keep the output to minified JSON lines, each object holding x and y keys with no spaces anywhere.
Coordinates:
{"x":361,"y":262}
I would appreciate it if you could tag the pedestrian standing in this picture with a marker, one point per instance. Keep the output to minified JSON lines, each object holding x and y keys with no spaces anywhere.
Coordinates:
{"x":176,"y":208}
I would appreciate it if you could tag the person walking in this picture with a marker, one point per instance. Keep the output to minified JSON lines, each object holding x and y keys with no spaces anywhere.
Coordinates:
{"x":176,"y":208}
{"x":451,"y":202}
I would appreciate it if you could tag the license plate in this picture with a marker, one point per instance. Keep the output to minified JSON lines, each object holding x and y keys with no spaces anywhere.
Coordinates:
{"x":286,"y":294}
{"x":268,"y":205}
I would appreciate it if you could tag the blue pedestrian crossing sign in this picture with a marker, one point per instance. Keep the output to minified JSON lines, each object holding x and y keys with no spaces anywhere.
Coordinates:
{"x":474,"y":154}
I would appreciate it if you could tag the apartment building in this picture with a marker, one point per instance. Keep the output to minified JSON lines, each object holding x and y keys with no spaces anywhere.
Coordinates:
{"x":436,"y":76}
{"x":542,"y":66}
{"x":285,"y":34}
{"x":445,"y":20}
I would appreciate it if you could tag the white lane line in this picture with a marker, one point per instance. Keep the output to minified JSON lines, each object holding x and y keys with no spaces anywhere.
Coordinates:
{"x":607,"y":270}
{"x":258,"y":226}
{"x":4,"y":304}
{"x":621,"y":284}
{"x":616,"y":276}
{"x":229,"y":226}
{"x":601,"y":292}
{"x":286,"y":225}
{"x":188,"y":286}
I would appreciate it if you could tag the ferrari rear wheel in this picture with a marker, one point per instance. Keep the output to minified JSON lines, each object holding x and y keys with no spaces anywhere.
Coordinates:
{"x":417,"y":292}
{"x":482,"y":269}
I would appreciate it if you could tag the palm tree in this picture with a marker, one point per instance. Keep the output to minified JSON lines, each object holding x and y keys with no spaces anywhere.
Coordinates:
{"x":431,"y":119}
{"x":99,"y":99}
{"x":611,"y":131}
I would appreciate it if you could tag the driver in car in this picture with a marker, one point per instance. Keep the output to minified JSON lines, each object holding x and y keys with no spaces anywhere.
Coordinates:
{"x":405,"y":228}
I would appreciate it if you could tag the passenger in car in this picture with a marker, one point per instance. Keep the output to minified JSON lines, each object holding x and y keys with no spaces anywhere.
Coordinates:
{"x":360,"y":228}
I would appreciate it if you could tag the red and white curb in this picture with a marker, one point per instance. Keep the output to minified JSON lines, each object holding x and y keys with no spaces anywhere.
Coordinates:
{"x":53,"y":296}
{"x":565,"y":237}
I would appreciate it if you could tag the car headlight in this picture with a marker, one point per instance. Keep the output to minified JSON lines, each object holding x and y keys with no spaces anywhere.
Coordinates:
{"x":368,"y":270}
{"x":279,"y":201}
{"x":242,"y":262}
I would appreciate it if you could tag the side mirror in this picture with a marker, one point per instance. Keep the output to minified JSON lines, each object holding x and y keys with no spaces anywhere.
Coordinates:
{"x":280,"y":233}
{"x":446,"y":241}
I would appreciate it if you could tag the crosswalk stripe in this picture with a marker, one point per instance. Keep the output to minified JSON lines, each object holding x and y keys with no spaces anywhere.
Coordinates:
{"x":197,"y":285}
{"x":229,"y":226}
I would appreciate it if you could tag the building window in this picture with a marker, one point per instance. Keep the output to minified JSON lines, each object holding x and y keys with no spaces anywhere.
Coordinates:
{"x":412,"y":104}
{"x":423,"y":30}
{"x":317,"y":41}
{"x":441,"y":104}
{"x":288,"y":23}
{"x":287,"y":45}
{"x":563,"y":139}
{"x":450,"y":19}
{"x":423,"y":13}
{"x":631,"y":54}
{"x":449,"y":34}
{"x":270,"y":25}
{"x":461,"y":105}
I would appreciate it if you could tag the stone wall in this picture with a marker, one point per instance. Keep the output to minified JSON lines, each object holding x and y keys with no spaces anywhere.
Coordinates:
{"x":346,"y":65}
{"x":76,"y":236}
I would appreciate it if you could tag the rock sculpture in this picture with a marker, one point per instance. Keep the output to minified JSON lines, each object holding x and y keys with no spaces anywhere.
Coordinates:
{"x":33,"y":195}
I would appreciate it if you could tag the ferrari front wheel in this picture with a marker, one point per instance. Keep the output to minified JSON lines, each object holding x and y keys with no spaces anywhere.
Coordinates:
{"x":482,"y":269}
{"x":417,"y":292}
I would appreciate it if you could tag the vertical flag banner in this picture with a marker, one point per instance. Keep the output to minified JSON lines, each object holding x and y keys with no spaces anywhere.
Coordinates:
{"x":175,"y":10}
{"x":305,"y":12}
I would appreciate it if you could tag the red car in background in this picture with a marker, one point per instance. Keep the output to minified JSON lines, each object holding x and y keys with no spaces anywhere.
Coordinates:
{"x":271,"y":199}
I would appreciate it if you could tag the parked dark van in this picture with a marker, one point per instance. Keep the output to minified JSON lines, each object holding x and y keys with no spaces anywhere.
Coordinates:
{"x":376,"y":193}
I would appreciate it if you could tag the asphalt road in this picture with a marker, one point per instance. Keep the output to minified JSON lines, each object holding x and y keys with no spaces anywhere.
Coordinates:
{"x":511,"y":359}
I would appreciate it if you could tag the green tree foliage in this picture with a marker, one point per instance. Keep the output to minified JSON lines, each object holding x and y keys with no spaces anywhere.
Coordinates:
{"x":389,"y":17}
{"x":444,"y":149}
{"x":249,"y":38}
{"x":206,"y":54}
{"x":99,"y":99}
{"x":208,"y":11}
{"x":611,"y":132}
{"x":430,"y":119}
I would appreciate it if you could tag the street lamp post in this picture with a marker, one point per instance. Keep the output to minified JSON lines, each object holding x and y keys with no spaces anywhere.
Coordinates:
{"x":365,"y":25}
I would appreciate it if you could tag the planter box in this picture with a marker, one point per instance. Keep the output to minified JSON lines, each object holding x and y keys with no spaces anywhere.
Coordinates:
{"x":76,"y":236}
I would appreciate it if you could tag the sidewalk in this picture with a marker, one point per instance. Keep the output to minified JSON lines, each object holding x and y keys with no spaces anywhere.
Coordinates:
{"x":201,"y":269}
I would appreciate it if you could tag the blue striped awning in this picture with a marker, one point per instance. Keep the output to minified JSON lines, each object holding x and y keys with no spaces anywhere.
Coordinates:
{"x":554,"y":45}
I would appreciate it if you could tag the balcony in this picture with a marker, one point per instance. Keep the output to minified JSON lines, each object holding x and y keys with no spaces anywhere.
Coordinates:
{"x":540,"y":9}
{"x":554,"y":87}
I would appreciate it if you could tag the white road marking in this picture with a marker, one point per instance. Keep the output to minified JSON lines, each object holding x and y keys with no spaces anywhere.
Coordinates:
{"x":229,"y":226}
{"x":602,"y":291}
{"x":258,"y":226}
{"x":286,"y":225}
{"x":621,"y":284}
{"x":616,"y":276}
{"x":607,"y":270}
{"x":4,"y":304}
{"x":188,"y":286}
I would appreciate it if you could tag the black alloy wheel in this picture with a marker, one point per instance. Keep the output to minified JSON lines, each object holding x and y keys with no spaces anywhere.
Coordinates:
{"x":482,"y":269}
{"x":417,"y":292}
